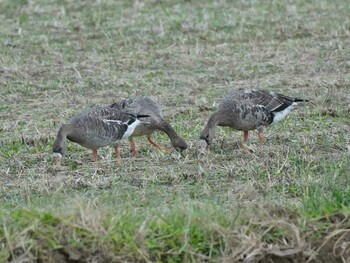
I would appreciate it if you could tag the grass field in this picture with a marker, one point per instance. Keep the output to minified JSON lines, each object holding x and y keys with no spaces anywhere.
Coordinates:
{"x":287,"y":201}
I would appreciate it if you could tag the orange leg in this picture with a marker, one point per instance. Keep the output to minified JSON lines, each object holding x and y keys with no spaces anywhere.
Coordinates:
{"x":133,"y":147}
{"x":117,"y":153}
{"x":242,"y":143}
{"x":94,"y":155}
{"x":245,"y":136}
{"x":261,"y":137}
{"x":154,"y":143}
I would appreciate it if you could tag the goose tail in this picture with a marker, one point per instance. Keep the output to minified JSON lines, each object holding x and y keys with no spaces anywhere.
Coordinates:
{"x":281,"y":112}
{"x":300,"y":100}
{"x":141,"y":116}
{"x":133,"y":122}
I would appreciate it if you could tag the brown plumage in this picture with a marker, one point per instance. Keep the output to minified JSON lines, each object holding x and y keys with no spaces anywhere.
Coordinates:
{"x":249,"y":110}
{"x":96,"y":128}
{"x":149,"y":106}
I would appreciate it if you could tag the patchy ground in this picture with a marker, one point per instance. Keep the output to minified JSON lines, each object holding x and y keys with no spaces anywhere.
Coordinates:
{"x":287,"y":201}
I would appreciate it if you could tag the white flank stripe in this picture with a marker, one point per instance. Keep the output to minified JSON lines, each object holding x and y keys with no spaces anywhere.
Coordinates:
{"x":278,"y":116}
{"x":116,"y":121}
{"x":131,"y":128}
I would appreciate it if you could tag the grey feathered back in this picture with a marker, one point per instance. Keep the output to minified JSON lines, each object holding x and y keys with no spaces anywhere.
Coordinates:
{"x":106,"y":113}
{"x":140,"y":105}
{"x":95,"y":131}
{"x":273,"y":102}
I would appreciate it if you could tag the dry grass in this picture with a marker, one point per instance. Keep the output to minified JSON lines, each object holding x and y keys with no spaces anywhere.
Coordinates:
{"x":226,"y":205}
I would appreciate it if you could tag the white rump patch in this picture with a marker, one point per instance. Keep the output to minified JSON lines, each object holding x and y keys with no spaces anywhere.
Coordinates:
{"x":131,"y":128}
{"x":278,"y":116}
{"x":58,"y":155}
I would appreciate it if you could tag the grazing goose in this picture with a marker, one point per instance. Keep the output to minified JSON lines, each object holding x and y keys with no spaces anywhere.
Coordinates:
{"x":96,"y":128}
{"x":151,"y":107}
{"x":249,"y":110}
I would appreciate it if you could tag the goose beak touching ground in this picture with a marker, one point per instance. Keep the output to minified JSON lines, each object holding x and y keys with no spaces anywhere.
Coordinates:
{"x":249,"y":110}
{"x":58,"y":147}
{"x":96,"y":128}
{"x":208,"y":133}
{"x":205,"y":138}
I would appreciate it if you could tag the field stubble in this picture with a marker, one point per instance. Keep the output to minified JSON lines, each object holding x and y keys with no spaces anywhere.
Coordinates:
{"x":284,"y":202}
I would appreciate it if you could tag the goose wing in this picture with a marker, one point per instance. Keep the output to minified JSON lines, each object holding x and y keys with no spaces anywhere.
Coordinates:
{"x":105,"y":124}
{"x":273,"y":102}
{"x":139,"y":105}
{"x":105,"y":113}
{"x":94,"y":132}
{"x":123,"y":104}
{"x":98,"y":112}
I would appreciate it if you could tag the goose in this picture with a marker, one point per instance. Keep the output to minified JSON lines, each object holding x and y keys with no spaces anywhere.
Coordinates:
{"x":249,"y":110}
{"x":96,"y":128}
{"x":149,"y":106}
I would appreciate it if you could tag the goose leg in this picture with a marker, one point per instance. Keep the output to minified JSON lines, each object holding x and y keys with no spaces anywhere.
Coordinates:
{"x":245,"y":136}
{"x":94,"y":155}
{"x":242,"y":143}
{"x":133,"y":147}
{"x":117,"y":153}
{"x":261,"y":137}
{"x":154,"y":143}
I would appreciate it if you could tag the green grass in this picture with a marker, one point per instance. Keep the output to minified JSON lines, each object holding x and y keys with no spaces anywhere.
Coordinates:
{"x":225,"y":205}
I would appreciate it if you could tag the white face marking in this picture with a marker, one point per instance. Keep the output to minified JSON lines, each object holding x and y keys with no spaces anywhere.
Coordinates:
{"x":59,"y":155}
{"x":278,"y":116}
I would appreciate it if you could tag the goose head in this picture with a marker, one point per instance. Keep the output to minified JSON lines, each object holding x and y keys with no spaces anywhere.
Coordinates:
{"x":58,"y":148}
{"x":58,"y":152}
{"x":179,"y":143}
{"x":207,"y":134}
